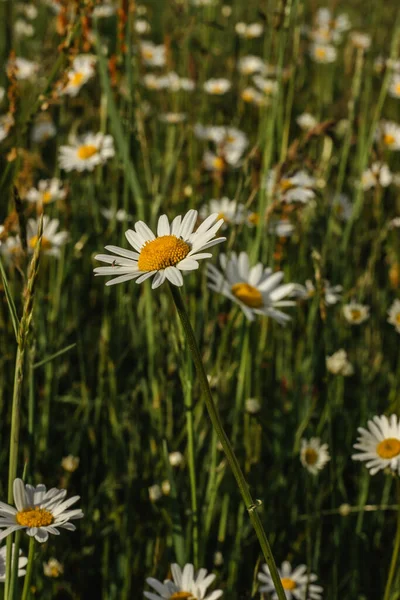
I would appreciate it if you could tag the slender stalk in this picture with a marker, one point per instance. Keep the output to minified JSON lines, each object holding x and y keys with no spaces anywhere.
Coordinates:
{"x":28,"y":576}
{"x":251,"y":506}
{"x":395,"y":556}
{"x":191,"y":461}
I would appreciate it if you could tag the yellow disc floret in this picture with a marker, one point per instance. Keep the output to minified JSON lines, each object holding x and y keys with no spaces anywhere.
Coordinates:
{"x":47,"y":197}
{"x":311,"y":456}
{"x":182,"y":596}
{"x":34,"y":517}
{"x":388,"y":448}
{"x":76,"y":79}
{"x":288,"y":584}
{"x":248,"y":294}
{"x":87,"y":151}
{"x":165,"y":251}
{"x":46,"y":244}
{"x":355,"y":314}
{"x":388,"y":139}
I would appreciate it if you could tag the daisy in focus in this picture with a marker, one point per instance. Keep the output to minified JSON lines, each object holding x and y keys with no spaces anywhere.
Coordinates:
{"x":176,"y":248}
{"x":295,"y":582}
{"x":47,"y":191}
{"x":38,"y":511}
{"x":22,"y":562}
{"x":378,"y":174}
{"x":314,"y":455}
{"x":184,"y":584}
{"x":355,"y":313}
{"x":87,"y":151}
{"x":51,"y":239}
{"x":255,"y":289}
{"x":379,"y":445}
{"x":394,"y":315}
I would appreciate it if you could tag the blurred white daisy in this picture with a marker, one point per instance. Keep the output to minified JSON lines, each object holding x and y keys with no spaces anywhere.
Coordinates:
{"x":249,"y":31}
{"x":23,"y":68}
{"x":342,"y":207}
{"x":23,"y":29}
{"x":360,"y":40}
{"x":51,"y":240}
{"x":388,"y":133}
{"x":378,"y":174}
{"x":314,"y":455}
{"x":53,"y":568}
{"x":332,"y":293}
{"x":306,"y":121}
{"x":281,"y":228}
{"x":251,"y":95}
{"x":155,"y":492}
{"x":323,"y":53}
{"x":83,"y":69}
{"x":256,"y":290}
{"x":394,"y":87}
{"x":43,"y":130}
{"x":153,"y":55}
{"x":47,"y":191}
{"x":70,"y":463}
{"x":38,"y":511}
{"x":379,"y":445}
{"x":217,"y":87}
{"x":394,"y":315}
{"x":338,"y":364}
{"x":87,"y":151}
{"x":142,"y":26}
{"x":294,"y":582}
{"x":229,"y":210}
{"x":291,"y":188}
{"x":175,"y":459}
{"x":268,"y":86}
{"x":22,"y":562}
{"x":172,"y":118}
{"x":248,"y":65}
{"x":184,"y":584}
{"x":355,"y":313}
{"x":6,"y":123}
{"x":176,"y":248}
{"x":119,"y":215}
{"x":104,"y":10}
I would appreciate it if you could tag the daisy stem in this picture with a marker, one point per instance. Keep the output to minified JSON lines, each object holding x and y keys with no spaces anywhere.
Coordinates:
{"x":191,"y":457}
{"x":14,"y":564}
{"x":396,"y":548}
{"x":226,"y":445}
{"x":28,"y":576}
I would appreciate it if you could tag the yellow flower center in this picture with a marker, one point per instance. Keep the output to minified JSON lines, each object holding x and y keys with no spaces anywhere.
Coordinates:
{"x":182,"y":596}
{"x":288,"y":584}
{"x":165,"y":251}
{"x":355,"y":314}
{"x":76,"y":79}
{"x":397,"y":89}
{"x":320,"y":53}
{"x":388,"y":139}
{"x":148,"y":54}
{"x":221,"y":215}
{"x":247,"y":96}
{"x":87,"y":151}
{"x":218,"y":163}
{"x":254,"y":218}
{"x":46,"y":243}
{"x":311,"y":456}
{"x":34,"y":517}
{"x":217,"y":88}
{"x":285,"y":184}
{"x":47,"y":197}
{"x":248,"y":294}
{"x":388,"y":448}
{"x":397,"y":318}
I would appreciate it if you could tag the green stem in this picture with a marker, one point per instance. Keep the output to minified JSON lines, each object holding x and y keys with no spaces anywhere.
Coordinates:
{"x":226,"y":445}
{"x":28,"y":576}
{"x":396,"y":548}
{"x":192,"y":469}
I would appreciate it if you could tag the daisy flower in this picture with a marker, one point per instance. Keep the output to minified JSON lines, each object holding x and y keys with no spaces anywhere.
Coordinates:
{"x":142,"y":26}
{"x":394,"y":315}
{"x":119,"y":215}
{"x":217,"y":87}
{"x":51,"y":240}
{"x":314,"y":455}
{"x":360,"y":40}
{"x":47,"y":191}
{"x":87,"y":152}
{"x":23,"y":68}
{"x":378,"y":174}
{"x":256,"y":290}
{"x":172,"y":118}
{"x":248,"y":65}
{"x":306,"y":121}
{"x":38,"y":511}
{"x":184,"y":584}
{"x":281,"y":228}
{"x":388,"y":133}
{"x":355,"y":313}
{"x":332,"y":293}
{"x":251,"y":95}
{"x":176,"y":248}
{"x":43,"y":130}
{"x":338,"y":364}
{"x":249,"y":31}
{"x":22,"y":562}
{"x":6,"y":123}
{"x":323,"y":53}
{"x":342,"y":207}
{"x":379,"y":445}
{"x":291,"y":188}
{"x":394,"y":87}
{"x":53,"y":568}
{"x":228,"y":210}
{"x":82,"y":70}
{"x":268,"y":86}
{"x":295,"y":582}
{"x":153,"y":55}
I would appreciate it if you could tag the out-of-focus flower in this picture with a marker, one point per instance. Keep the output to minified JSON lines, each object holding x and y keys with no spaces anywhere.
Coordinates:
{"x":172,"y":118}
{"x":355,"y":313}
{"x":142,"y":26}
{"x":394,"y":87}
{"x":22,"y":562}
{"x":43,"y":130}
{"x":51,"y":240}
{"x":70,"y":463}
{"x":291,"y":188}
{"x":323,"y":53}
{"x":184,"y":584}
{"x":306,"y":121}
{"x":388,"y":134}
{"x":83,"y":69}
{"x":249,"y":31}
{"x":338,"y":364}
{"x":153,"y":55}
{"x":378,"y":174}
{"x":342,"y":207}
{"x":53,"y":568}
{"x":252,"y":406}
{"x":268,"y":86}
{"x":23,"y":68}
{"x":155,"y":493}
{"x":47,"y":191}
{"x":120,"y":215}
{"x":6,"y":123}
{"x":104,"y":10}
{"x":281,"y":228}
{"x":87,"y":152}
{"x":332,"y":293}
{"x":217,"y":87}
{"x":251,"y":95}
{"x":314,"y":455}
{"x":175,"y":459}
{"x":229,"y":210}
{"x":296,"y":583}
{"x":394,"y":315}
{"x":23,"y":29}
{"x":360,"y":40}
{"x":248,"y":65}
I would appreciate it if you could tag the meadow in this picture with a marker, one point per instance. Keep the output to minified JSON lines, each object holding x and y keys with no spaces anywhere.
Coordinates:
{"x":199,"y":299}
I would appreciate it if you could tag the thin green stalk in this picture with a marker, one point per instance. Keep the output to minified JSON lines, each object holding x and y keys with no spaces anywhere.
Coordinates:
{"x":395,"y":556}
{"x":14,"y":565}
{"x":28,"y":576}
{"x":251,"y":506}
{"x":191,"y":464}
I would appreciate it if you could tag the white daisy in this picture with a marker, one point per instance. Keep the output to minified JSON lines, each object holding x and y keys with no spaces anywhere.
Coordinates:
{"x":51,"y":240}
{"x":394,"y":87}
{"x":268,"y":86}
{"x":379,"y":445}
{"x":355,"y":313}
{"x":249,"y":31}
{"x":314,"y":455}
{"x":342,"y":207}
{"x":47,"y":191}
{"x":281,"y":228}
{"x":172,"y":118}
{"x":176,"y":248}
{"x":295,"y":582}
{"x":175,"y":459}
{"x":248,"y":65}
{"x":53,"y":568}
{"x":217,"y":87}
{"x":394,"y":315}
{"x":184,"y":584}
{"x":23,"y":68}
{"x":229,"y":210}
{"x":23,"y":29}
{"x":43,"y":130}
{"x":6,"y":123}
{"x":251,"y":95}
{"x":120,"y":215}
{"x":256,"y":290}
{"x":22,"y":562}
{"x":323,"y":53}
{"x":360,"y":40}
{"x":87,"y":152}
{"x":104,"y":10}
{"x":388,"y":133}
{"x":338,"y":364}
{"x":291,"y":188}
{"x":83,"y":69}
{"x":142,"y":26}
{"x":378,"y":174}
{"x":306,"y":121}
{"x":332,"y":293}
{"x":37,"y":511}
{"x":153,"y":55}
